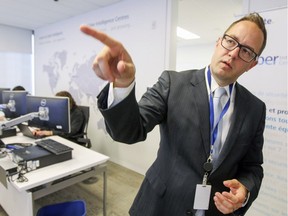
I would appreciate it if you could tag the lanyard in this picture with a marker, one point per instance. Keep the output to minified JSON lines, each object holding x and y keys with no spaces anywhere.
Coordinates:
{"x":208,"y":166}
{"x":214,"y":130}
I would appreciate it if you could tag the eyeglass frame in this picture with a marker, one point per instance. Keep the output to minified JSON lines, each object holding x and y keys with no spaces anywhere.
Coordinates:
{"x":240,"y":47}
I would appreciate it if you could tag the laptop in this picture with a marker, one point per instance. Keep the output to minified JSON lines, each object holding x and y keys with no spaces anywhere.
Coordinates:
{"x":26,"y":131}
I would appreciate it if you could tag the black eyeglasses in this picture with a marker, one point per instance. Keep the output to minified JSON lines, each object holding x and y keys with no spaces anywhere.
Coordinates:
{"x":245,"y":53}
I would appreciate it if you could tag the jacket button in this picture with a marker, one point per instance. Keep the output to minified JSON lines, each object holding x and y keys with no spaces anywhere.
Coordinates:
{"x":189,"y":212}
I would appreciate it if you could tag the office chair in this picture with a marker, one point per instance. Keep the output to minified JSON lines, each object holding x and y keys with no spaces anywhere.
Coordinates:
{"x":68,"y":208}
{"x":82,"y":138}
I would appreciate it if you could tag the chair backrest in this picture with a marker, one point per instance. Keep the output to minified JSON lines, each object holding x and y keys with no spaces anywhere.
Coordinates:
{"x":84,"y":139}
{"x":86,"y":112}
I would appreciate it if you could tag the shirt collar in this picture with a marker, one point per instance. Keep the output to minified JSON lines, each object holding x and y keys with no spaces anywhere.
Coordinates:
{"x":214,"y":85}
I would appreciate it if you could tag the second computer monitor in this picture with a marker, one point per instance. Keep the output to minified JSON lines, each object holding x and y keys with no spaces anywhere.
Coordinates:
{"x":1,"y":90}
{"x":54,"y":112}
{"x":15,"y":103}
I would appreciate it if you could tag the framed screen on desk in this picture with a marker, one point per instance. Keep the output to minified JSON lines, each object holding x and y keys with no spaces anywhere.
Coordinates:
{"x":1,"y":90}
{"x":56,"y":112}
{"x":16,"y":103}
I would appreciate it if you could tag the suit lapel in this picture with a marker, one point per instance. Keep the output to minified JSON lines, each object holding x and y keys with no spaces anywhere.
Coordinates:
{"x":199,"y":92}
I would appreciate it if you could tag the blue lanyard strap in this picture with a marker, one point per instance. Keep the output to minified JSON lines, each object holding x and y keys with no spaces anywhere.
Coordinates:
{"x":214,"y":130}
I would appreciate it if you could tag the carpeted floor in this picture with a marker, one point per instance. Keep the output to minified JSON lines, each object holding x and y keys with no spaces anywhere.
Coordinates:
{"x":122,"y":186}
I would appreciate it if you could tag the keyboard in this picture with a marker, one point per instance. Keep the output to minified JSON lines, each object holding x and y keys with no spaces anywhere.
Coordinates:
{"x":53,"y":146}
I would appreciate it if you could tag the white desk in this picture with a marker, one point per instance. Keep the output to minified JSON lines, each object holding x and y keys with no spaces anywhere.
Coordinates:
{"x":18,"y":198}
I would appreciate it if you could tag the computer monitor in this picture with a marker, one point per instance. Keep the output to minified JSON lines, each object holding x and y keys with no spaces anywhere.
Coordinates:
{"x":54,"y":112}
{"x":1,"y":90}
{"x":15,"y":103}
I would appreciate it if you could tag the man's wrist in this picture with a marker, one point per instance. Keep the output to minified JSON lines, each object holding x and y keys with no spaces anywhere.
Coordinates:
{"x":116,"y":95}
{"x":246,"y":198}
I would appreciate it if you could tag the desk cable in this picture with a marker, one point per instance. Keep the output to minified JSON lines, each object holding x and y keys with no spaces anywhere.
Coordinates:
{"x":19,"y":176}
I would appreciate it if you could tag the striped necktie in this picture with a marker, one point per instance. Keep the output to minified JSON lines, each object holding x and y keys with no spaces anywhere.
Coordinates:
{"x":219,"y":99}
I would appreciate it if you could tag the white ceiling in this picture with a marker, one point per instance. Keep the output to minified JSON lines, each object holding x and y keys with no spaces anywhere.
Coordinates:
{"x":207,"y":18}
{"x":32,"y":14}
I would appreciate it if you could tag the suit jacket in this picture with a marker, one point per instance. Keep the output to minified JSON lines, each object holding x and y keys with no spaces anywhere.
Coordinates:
{"x":179,"y":104}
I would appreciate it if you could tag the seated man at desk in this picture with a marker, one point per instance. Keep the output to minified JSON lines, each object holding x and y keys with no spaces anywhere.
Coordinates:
{"x":77,"y":119}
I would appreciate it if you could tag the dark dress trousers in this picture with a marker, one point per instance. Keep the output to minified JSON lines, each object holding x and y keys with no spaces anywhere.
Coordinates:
{"x":179,"y":104}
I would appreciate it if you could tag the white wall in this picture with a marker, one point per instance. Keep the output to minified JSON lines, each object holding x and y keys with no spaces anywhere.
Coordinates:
{"x":262,"y":5}
{"x":16,"y":69}
{"x":15,"y":40}
{"x":193,"y":57}
{"x":15,"y":57}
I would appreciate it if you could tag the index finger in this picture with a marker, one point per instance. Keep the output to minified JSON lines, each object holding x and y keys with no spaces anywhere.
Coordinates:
{"x":101,"y":36}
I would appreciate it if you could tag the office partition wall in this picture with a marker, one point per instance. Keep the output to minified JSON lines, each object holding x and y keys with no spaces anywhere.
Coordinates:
{"x":64,"y":56}
{"x":15,"y":57}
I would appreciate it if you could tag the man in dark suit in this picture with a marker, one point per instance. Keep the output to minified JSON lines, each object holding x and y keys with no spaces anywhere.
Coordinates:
{"x":182,"y":104}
